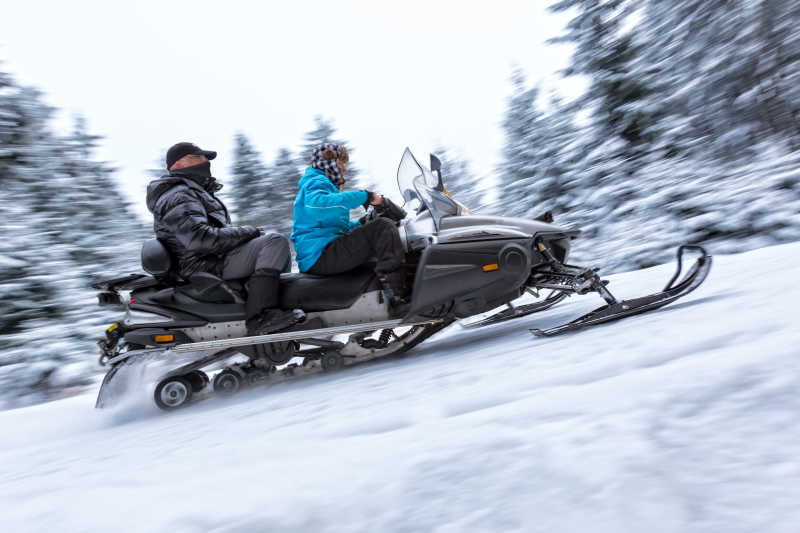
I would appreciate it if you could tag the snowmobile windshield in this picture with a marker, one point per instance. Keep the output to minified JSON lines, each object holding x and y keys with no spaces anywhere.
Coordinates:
{"x":420,"y":189}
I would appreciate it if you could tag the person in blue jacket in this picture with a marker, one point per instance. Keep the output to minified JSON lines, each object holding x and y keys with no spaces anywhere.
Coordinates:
{"x":326,"y":241}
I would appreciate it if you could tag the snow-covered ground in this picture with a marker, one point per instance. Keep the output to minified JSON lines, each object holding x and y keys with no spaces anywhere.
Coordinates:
{"x":685,"y":419}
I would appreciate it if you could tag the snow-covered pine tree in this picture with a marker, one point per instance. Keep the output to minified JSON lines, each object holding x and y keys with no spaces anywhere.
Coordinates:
{"x":520,"y":163}
{"x":539,"y":155}
{"x":37,"y":347}
{"x":728,"y":176}
{"x":604,"y":51}
{"x":250,"y":187}
{"x":462,"y":182}
{"x":93,"y":216}
{"x":779,"y":69}
{"x":263,"y":194}
{"x":62,"y":221}
{"x":708,"y":165}
{"x":283,"y":176}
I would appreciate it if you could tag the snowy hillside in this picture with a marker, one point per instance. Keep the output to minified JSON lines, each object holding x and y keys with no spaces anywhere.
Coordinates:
{"x":685,"y":419}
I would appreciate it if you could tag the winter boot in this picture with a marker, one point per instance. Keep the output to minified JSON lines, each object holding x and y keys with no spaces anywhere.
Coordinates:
{"x":261,"y":308}
{"x":395,"y":290}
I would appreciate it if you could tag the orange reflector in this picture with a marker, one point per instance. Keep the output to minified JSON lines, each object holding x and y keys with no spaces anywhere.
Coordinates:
{"x":165,"y":338}
{"x":489,"y":268}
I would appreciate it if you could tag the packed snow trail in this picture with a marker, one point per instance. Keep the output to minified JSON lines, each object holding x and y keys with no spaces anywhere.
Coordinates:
{"x":684,"y":419}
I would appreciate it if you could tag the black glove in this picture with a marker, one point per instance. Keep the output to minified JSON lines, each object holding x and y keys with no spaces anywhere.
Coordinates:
{"x":391,"y":210}
{"x":370,"y":197}
{"x":369,"y":217}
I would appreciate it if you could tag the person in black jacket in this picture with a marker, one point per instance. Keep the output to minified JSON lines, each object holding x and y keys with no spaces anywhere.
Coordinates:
{"x":196,"y":227}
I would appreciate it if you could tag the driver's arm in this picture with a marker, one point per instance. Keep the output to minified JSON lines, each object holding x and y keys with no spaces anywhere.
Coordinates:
{"x":187,"y":216}
{"x":319,"y":196}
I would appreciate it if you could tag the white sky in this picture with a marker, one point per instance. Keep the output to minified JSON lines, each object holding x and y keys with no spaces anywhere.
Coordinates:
{"x":148,"y":74}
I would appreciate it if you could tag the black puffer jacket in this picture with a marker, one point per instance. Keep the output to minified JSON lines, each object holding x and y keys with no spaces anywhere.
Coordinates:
{"x":193,"y":223}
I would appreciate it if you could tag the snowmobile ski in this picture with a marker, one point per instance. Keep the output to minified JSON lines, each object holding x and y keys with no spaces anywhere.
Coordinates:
{"x":615,"y":310}
{"x":519,"y":311}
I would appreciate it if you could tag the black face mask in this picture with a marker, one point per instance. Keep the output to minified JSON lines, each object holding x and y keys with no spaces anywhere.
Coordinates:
{"x":202,"y":172}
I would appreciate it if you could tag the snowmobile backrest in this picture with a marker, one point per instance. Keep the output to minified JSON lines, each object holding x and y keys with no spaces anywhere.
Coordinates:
{"x":156,"y":260}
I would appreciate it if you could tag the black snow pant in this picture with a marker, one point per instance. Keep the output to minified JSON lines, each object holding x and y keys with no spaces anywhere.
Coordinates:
{"x":377,"y":239}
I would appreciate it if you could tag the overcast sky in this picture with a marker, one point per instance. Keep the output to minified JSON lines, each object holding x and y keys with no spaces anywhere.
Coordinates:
{"x":418,"y":73}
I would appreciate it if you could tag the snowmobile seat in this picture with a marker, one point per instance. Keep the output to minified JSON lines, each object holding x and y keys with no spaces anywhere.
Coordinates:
{"x":298,"y":290}
{"x":202,"y":286}
{"x":324,"y":293}
{"x":207,"y":287}
{"x":157,"y":261}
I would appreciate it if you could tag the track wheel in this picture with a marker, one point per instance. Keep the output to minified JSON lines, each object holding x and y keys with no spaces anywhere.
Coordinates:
{"x":331,"y":361}
{"x":198,"y":379}
{"x":173,"y":393}
{"x":227,"y":382}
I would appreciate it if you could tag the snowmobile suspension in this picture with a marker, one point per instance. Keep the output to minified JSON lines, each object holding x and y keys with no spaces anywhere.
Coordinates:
{"x":308,"y":336}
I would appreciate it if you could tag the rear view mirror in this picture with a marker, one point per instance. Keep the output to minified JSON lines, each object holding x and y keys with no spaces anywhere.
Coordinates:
{"x":436,"y":165}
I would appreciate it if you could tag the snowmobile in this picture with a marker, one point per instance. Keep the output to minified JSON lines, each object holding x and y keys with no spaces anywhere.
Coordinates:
{"x":459,"y":265}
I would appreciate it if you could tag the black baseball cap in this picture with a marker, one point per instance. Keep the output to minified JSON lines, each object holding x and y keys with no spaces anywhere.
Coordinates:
{"x":181,"y":149}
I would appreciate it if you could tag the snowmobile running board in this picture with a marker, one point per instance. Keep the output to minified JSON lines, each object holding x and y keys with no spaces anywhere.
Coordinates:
{"x":615,"y":310}
{"x":297,"y":335}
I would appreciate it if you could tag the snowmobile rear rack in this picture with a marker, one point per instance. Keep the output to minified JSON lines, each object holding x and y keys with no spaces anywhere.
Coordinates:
{"x":125,"y":283}
{"x":614,"y":309}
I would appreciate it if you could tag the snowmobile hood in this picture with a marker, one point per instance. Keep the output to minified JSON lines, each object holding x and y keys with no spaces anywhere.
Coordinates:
{"x":472,"y":227}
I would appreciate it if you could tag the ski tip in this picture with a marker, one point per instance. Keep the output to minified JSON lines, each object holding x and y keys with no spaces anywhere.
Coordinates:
{"x":538,"y":332}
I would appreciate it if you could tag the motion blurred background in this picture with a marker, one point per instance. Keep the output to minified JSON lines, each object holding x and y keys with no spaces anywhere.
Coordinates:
{"x":645,"y":123}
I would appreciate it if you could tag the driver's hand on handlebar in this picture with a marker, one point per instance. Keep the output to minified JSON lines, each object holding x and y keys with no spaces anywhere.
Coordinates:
{"x":373,"y":198}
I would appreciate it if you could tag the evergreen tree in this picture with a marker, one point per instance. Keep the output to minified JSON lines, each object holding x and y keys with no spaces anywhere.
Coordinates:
{"x":263,"y":195}
{"x":724,"y":67}
{"x":62,"y":221}
{"x":461,"y":181}
{"x":688,"y":130}
{"x":284,"y":177}
{"x":604,"y":51}
{"x":539,"y":155}
{"x":251,"y":189}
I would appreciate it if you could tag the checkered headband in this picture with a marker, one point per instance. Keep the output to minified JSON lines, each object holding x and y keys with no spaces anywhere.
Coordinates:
{"x":324,"y":158}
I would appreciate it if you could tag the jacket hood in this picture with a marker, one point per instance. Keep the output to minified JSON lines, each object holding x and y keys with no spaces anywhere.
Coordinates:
{"x":311,"y":175}
{"x":158,"y":187}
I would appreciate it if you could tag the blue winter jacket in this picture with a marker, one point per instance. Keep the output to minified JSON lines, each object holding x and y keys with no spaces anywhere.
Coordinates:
{"x":321,"y":214}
